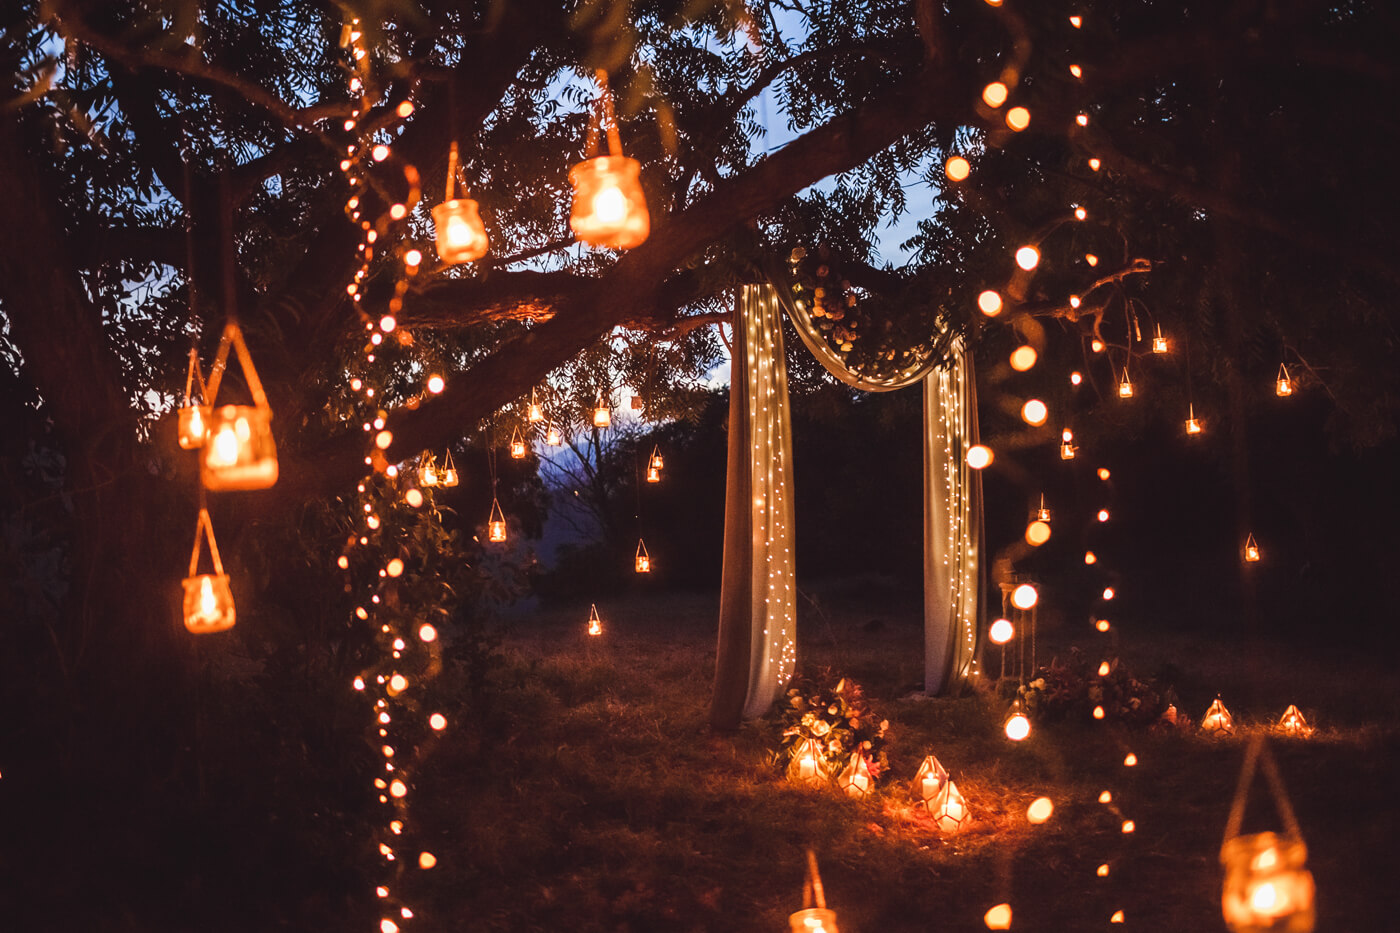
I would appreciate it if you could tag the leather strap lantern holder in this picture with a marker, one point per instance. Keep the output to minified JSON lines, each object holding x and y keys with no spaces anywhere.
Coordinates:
{"x":193,"y":418}
{"x":239,"y":452}
{"x":208,"y":603}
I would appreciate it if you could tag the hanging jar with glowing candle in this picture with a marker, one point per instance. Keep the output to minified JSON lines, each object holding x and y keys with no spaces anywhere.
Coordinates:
{"x":1193,"y":425}
{"x":208,"y":604}
{"x":595,"y":622}
{"x":496,"y":524}
{"x":602,"y":414}
{"x":552,"y":436}
{"x":814,"y":917}
{"x":643,"y":563}
{"x":1125,"y":385}
{"x":929,"y":782}
{"x":534,"y":414}
{"x":1067,"y":447}
{"x":517,"y":445}
{"x":1159,"y":343}
{"x":808,"y":764}
{"x":239,"y":452}
{"x":609,"y":208}
{"x":656,"y":461}
{"x":653,"y":475}
{"x":193,"y":416}
{"x":461,"y":236}
{"x":448,"y":477}
{"x":427,"y":470}
{"x":1251,"y":549}
{"x":1283,"y":385}
{"x":855,"y":779}
{"x":1042,"y":514}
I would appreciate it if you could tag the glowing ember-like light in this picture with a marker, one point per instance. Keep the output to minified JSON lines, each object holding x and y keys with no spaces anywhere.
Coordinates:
{"x":436,"y":384}
{"x":1103,"y":870}
{"x":1090,"y":557}
{"x":426,"y":860}
{"x":994,"y":94}
{"x":957,"y":168}
{"x":1102,"y":625}
{"x":1023,"y":358}
{"x":1130,"y":761}
{"x":1129,"y":826}
{"x":998,"y":918}
{"x":1034,"y":412}
{"x":1040,"y":810}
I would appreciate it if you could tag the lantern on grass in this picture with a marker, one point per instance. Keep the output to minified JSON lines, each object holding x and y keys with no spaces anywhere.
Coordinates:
{"x":929,"y":783}
{"x":1283,"y":385}
{"x":1292,"y":723}
{"x":855,"y":779}
{"x":461,"y":236}
{"x":517,"y":445}
{"x":239,"y":452}
{"x":208,"y":604}
{"x":643,"y":558}
{"x":609,"y":208}
{"x":1267,"y":887}
{"x":427,"y":470}
{"x":1218,"y":720}
{"x":193,"y":417}
{"x":448,"y":477}
{"x":1251,"y":549}
{"x":808,"y":764}
{"x":595,"y":624}
{"x":950,"y":812}
{"x":814,"y":917}
{"x":496,"y":524}
{"x":602,"y":415}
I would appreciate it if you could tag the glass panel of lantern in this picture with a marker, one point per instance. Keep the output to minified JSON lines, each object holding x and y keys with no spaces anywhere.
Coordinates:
{"x":656,"y":461}
{"x":552,"y":437}
{"x":595,"y":622}
{"x":193,"y":417}
{"x":1283,"y":385}
{"x":1292,"y":723}
{"x":239,"y":452}
{"x":1267,"y":887}
{"x":609,"y":208}
{"x":517,"y":445}
{"x":1159,"y":343}
{"x":496,"y":524}
{"x":449,"y":471}
{"x":427,"y":470}
{"x":1218,"y":720}
{"x":534,"y":414}
{"x":855,"y":779}
{"x":929,"y":783}
{"x":950,"y":812}
{"x":1251,"y":549}
{"x":643,"y":558}
{"x":808,"y":764}
{"x":208,"y":602}
{"x":602,"y":415}
{"x":461,"y":236}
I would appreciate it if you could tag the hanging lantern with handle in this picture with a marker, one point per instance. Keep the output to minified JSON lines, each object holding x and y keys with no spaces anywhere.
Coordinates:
{"x":656,"y":461}
{"x":461,"y":236}
{"x":1251,"y":549}
{"x":517,"y":445}
{"x":643,"y":558}
{"x":428,"y":470}
{"x":239,"y":452}
{"x":193,"y":418}
{"x":1267,"y":887}
{"x":814,"y":917}
{"x":1283,"y":385}
{"x":595,"y":622}
{"x":208,"y":603}
{"x":602,"y":414}
{"x":552,"y":436}
{"x":448,"y":476}
{"x":1193,"y":424}
{"x":496,"y":524}
{"x":609,"y":208}
{"x":1159,"y":343}
{"x":534,"y":414}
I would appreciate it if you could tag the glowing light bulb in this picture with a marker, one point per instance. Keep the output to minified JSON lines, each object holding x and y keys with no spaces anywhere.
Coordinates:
{"x":610,"y":205}
{"x":394,"y":568}
{"x":1129,"y":826}
{"x":1103,"y":473}
{"x":1018,"y":118}
{"x":1023,"y":358}
{"x":1040,"y":810}
{"x":994,"y":94}
{"x":383,"y":439}
{"x":1024,"y":596}
{"x":427,"y":633}
{"x":1076,"y":71}
{"x":1103,"y":870}
{"x":1099,"y":712}
{"x":1102,"y":625}
{"x":1018,"y":727}
{"x":426,"y":860}
{"x":1095,"y":164}
{"x":398,"y":789}
{"x":1130,"y":761}
{"x":1103,"y":668}
{"x":414,"y":497}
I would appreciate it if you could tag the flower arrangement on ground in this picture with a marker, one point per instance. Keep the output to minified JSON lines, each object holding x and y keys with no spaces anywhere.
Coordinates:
{"x":831,"y":716}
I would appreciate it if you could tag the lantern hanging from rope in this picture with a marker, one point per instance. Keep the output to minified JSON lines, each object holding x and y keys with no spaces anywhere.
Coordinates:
{"x":534,"y":414}
{"x":1267,"y":886}
{"x":517,"y":445}
{"x":1193,"y":426}
{"x":855,"y":779}
{"x":427,"y":470}
{"x":1125,"y":385}
{"x":609,"y":208}
{"x":643,"y":558}
{"x":1042,"y":514}
{"x":1292,"y":723}
{"x":552,"y":437}
{"x":808,"y":764}
{"x":929,"y":783}
{"x":496,"y":524}
{"x":1217,"y":720}
{"x":1067,"y":447}
{"x":1159,"y":343}
{"x":602,"y":415}
{"x":656,"y":461}
{"x":814,"y":917}
{"x":1251,"y":549}
{"x":193,"y":417}
{"x":461,"y":236}
{"x":448,"y":476}
{"x":595,"y":623}
{"x":653,"y":475}
{"x":208,"y":604}
{"x":1283,"y":385}
{"x":239,"y":452}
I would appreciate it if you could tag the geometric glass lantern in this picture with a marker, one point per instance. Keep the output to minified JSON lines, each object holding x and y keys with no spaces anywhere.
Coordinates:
{"x":1218,"y":720}
{"x":461,"y":236}
{"x":193,"y":417}
{"x":517,"y":445}
{"x":609,"y":208}
{"x":1251,"y":549}
{"x":208,"y":604}
{"x":929,"y":783}
{"x":1283,"y":385}
{"x":814,"y":917}
{"x":1292,"y":723}
{"x":950,"y":811}
{"x":239,"y":452}
{"x":808,"y":764}
{"x":856,"y":779}
{"x":595,"y":624}
{"x":643,"y":558}
{"x":496,"y":524}
{"x":448,"y":476}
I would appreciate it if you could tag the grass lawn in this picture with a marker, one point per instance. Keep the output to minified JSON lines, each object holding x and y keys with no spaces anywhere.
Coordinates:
{"x":591,"y":795}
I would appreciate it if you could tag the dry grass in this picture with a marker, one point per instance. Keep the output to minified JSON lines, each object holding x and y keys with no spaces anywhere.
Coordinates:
{"x":592,"y":796}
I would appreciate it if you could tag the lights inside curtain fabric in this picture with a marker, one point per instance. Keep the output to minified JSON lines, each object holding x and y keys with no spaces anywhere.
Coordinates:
{"x":757,"y":650}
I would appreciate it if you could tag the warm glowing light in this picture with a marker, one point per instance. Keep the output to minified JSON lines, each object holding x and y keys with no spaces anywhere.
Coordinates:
{"x":427,"y":633}
{"x":379,"y":153}
{"x":414,"y":497}
{"x":1094,"y":164}
{"x":998,"y":918}
{"x":1023,"y":358}
{"x":1217,"y":721}
{"x":1105,"y":797}
{"x":1001,"y":631}
{"x":461,"y":234}
{"x":1117,"y":917}
{"x":602,"y":415}
{"x":957,"y":168}
{"x":1096,"y":345}
{"x":1076,"y":21}
{"x":1066,"y":450}
{"x":979,"y":457}
{"x":1018,"y":118}
{"x":1193,"y":425}
{"x":1251,"y":550}
{"x":1099,"y":712}
{"x":395,"y":568}
{"x":595,"y":622}
{"x":1075,"y":378}
{"x":436,"y":384}
{"x":397,"y":789}
{"x":534,"y":414}
{"x":552,"y":437}
{"x":1040,"y":810}
{"x":1103,"y":668}
{"x":1034,"y":412}
{"x":398,"y":212}
{"x":1083,"y":120}
{"x":1125,"y":386}
{"x":404,"y":110}
{"x":1102,"y":625}
{"x":1090,"y":558}
{"x":1037,"y":533}
{"x":437,"y":722}
{"x":517,"y":446}
{"x":1292,"y":723}
{"x":1129,"y":826}
{"x":1103,"y":870}
{"x":1283,"y":385}
{"x":398,"y":683}
{"x":994,"y":94}
{"x":1103,"y":473}
{"x":609,"y":208}
{"x":1017,"y":727}
{"x":383,"y":439}
{"x":343,"y":562}
{"x":989,"y":303}
{"x":1103,"y":515}
{"x":1108,"y":592}
{"x":855,"y":779}
{"x":643,"y":561}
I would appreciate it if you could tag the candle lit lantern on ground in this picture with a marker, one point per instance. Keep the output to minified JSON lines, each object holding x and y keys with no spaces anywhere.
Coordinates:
{"x":643,"y":558}
{"x":193,"y":417}
{"x":609,"y":208}
{"x":552,"y":437}
{"x":517,"y":445}
{"x":1159,"y":343}
{"x":1292,"y":723}
{"x":856,"y":779}
{"x":814,"y":917}
{"x":595,"y":624}
{"x":1267,"y":887}
{"x":1193,"y":426}
{"x":808,"y":765}
{"x":602,"y":415}
{"x":448,"y":476}
{"x":427,"y":470}
{"x":239,"y":452}
{"x":950,"y":812}
{"x":1251,"y":549}
{"x":929,"y":783}
{"x":1218,"y":720}
{"x":461,"y":236}
{"x":1283,"y":385}
{"x":208,"y":604}
{"x":496,"y":524}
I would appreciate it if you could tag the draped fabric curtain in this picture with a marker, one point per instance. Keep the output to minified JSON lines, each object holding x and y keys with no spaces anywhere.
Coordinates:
{"x":757,"y":625}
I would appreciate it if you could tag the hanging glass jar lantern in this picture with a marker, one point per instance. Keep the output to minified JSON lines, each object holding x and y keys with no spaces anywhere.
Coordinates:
{"x":1193,"y":426}
{"x":1251,"y":549}
{"x":496,"y":524}
{"x":208,"y":603}
{"x":855,"y":779}
{"x":595,"y":623}
{"x":427,"y":470}
{"x":808,"y":764}
{"x":602,"y":415}
{"x":814,"y":917}
{"x":1067,"y":447}
{"x":656,"y":461}
{"x":534,"y":414}
{"x":1125,"y":385}
{"x":552,"y":436}
{"x":193,"y":417}
{"x":1283,"y":385}
{"x":239,"y":452}
{"x":637,"y":403}
{"x":1159,"y":343}
{"x":609,"y":208}
{"x":448,"y":477}
{"x":517,"y":445}
{"x":461,"y":236}
{"x":643,"y":558}
{"x":653,"y":475}
{"x":1042,"y":514}
{"x":1217,"y":720}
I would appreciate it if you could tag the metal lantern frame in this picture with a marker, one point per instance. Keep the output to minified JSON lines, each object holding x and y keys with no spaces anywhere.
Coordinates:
{"x":855,"y":779}
{"x":197,"y":620}
{"x":809,"y":750}
{"x":258,"y":469}
{"x":931,"y":767}
{"x":193,"y":418}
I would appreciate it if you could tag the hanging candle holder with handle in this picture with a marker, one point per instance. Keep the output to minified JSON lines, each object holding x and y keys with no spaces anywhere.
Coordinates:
{"x":461,"y":235}
{"x":193,"y":416}
{"x":239,"y":451}
{"x":208,"y":603}
{"x":609,"y":208}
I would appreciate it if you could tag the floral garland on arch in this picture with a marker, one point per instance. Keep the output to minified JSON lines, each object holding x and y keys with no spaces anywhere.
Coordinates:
{"x":836,"y":714}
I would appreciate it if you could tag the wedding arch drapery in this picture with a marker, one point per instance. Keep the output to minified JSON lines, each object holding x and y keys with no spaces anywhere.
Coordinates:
{"x":757,"y":646}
